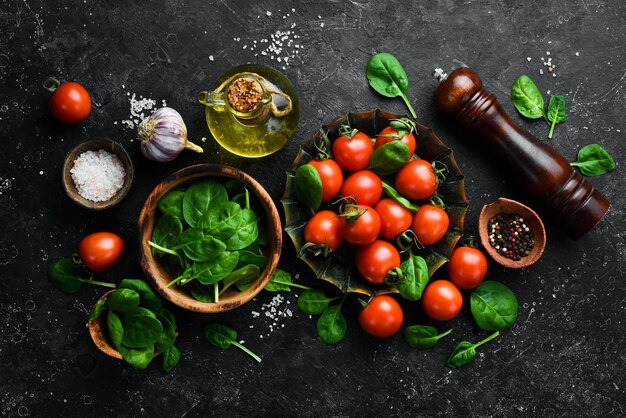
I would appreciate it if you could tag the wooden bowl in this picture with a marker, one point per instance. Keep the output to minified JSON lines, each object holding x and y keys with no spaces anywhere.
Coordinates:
{"x":100,"y":334}
{"x":94,"y":145}
{"x":503,"y":205}
{"x":180,"y":295}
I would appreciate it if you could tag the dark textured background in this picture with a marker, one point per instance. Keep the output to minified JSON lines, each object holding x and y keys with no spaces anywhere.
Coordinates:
{"x":564,"y":356}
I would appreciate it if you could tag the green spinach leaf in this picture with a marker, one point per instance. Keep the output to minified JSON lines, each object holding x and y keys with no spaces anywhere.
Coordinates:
{"x":248,"y":257}
{"x":331,"y":325}
{"x":465,"y":352}
{"x":199,"y":247}
{"x":281,"y":282}
{"x":172,"y":204}
{"x":494,"y":306}
{"x":141,"y":328}
{"x":223,"y":337}
{"x":98,"y":308}
{"x":213,"y":271}
{"x":593,"y":160}
{"x":389,"y":158}
{"x":246,"y":233}
{"x":414,"y":278}
{"x":166,"y":233}
{"x":385,"y":74}
{"x":116,"y":329}
{"x":308,"y":186}
{"x":242,"y":278}
{"x":527,"y":98}
{"x":148,"y":298}
{"x":201,"y":294}
{"x":556,"y":112}
{"x":123,"y":300}
{"x":139,"y":357}
{"x":423,"y":336}
{"x":314,"y":302}
{"x":221,"y":221}
{"x":167,"y":337}
{"x":398,"y":198}
{"x":170,"y":359}
{"x":68,"y":276}
{"x":199,"y":196}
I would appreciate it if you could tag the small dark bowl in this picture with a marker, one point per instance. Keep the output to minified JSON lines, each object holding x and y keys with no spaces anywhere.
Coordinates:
{"x":503,"y":205}
{"x":95,"y":145}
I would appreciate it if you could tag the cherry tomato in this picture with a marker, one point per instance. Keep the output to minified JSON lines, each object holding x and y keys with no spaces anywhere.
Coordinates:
{"x":416,"y":180}
{"x":442,"y":300}
{"x":389,"y":134}
{"x":430,"y":224}
{"x":364,"y":186}
{"x":375,"y":260}
{"x":382,"y":317}
{"x":331,"y":176}
{"x":323,"y":228}
{"x":467,"y":267}
{"x":364,"y":230}
{"x":70,"y":103}
{"x":353,"y":154}
{"x":100,"y":251}
{"x":394,"y":218}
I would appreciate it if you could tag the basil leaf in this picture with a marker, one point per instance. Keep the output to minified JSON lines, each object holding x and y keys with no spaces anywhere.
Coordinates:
{"x":213,"y":271}
{"x":199,"y":196}
{"x":386,"y":76}
{"x":141,"y":328}
{"x":116,"y":329}
{"x":246,"y":233}
{"x":423,"y":336}
{"x":123,"y":300}
{"x":414,"y":278}
{"x":494,"y":306}
{"x":331,"y":326}
{"x":465,"y":352}
{"x":398,"y":198}
{"x":147,"y":297}
{"x":172,"y":204}
{"x":556,"y":112}
{"x":593,"y":160}
{"x":139,"y":358}
{"x":389,"y":158}
{"x":98,"y":308}
{"x":313,"y":302}
{"x":66,"y":275}
{"x":199,"y":247}
{"x":527,"y":98}
{"x":169,"y":359}
{"x":308,"y":186}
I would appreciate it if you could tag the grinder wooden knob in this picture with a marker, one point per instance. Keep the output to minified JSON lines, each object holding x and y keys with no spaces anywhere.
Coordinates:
{"x":540,"y":171}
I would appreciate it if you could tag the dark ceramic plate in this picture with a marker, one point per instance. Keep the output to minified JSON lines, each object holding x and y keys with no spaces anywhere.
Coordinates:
{"x":338,"y":267}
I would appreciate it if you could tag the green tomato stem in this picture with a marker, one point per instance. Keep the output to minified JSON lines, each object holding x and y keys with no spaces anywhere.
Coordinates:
{"x":165,"y":250}
{"x":406,"y":101}
{"x":98,"y":283}
{"x":489,"y":338}
{"x":250,"y":353}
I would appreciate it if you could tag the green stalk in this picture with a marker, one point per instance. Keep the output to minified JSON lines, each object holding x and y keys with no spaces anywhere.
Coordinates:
{"x":250,"y":353}
{"x":489,"y":338}
{"x":216,"y":289}
{"x":406,"y":101}
{"x":552,"y":129}
{"x":96,"y":282}
{"x":165,"y":250}
{"x":299,"y":286}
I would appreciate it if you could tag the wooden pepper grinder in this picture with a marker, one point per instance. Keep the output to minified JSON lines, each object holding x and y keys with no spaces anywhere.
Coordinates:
{"x":541,"y":171}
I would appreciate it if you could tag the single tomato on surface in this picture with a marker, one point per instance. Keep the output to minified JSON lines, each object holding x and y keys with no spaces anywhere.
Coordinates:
{"x":442,"y":300}
{"x":359,"y":224}
{"x":376,"y":260}
{"x":331,"y":176}
{"x":394,"y":218}
{"x":364,"y":186}
{"x":352,"y":150}
{"x":417,"y":180}
{"x":323,"y":229}
{"x":382,"y":317}
{"x":70,"y":103}
{"x":467,"y":267}
{"x":389,"y":134}
{"x":430,"y":224}
{"x":100,"y":251}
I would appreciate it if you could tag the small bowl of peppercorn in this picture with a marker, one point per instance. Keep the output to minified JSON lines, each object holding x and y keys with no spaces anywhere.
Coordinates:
{"x":511,"y":233}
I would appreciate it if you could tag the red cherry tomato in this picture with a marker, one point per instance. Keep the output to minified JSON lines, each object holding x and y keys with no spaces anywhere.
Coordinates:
{"x":389,"y":135}
{"x":70,"y":103}
{"x":442,"y":300}
{"x":323,"y":229}
{"x":416,"y":180}
{"x":364,"y":230}
{"x":353,"y":154}
{"x":100,"y":251}
{"x":467,"y":267}
{"x":394,"y":218}
{"x":331,"y":176}
{"x":375,"y":260}
{"x":382,"y":317}
{"x":364,"y":186}
{"x":430,"y":224}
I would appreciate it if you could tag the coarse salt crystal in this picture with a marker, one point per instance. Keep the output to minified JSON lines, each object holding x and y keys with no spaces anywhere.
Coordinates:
{"x":268,"y":13}
{"x":98,"y":175}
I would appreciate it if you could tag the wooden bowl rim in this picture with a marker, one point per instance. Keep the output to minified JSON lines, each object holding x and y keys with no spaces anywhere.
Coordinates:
{"x":99,"y":336}
{"x":148,"y":262}
{"x":504,"y":205}
{"x":91,"y":145}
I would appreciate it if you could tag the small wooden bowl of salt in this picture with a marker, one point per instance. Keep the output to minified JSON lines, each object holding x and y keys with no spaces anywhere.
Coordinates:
{"x":97,"y":174}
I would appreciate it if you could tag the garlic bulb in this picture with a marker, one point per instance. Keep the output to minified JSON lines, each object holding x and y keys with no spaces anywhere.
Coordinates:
{"x":163,"y":136}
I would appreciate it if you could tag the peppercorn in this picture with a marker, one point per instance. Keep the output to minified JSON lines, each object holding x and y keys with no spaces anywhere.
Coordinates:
{"x":510,"y":236}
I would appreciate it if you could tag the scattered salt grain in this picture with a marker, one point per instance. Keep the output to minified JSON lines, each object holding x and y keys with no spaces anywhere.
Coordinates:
{"x":577,"y":54}
{"x":528,"y":59}
{"x":139,"y":109}
{"x":98,"y":175}
{"x":268,"y":13}
{"x":211,"y":58}
{"x":41,"y":173}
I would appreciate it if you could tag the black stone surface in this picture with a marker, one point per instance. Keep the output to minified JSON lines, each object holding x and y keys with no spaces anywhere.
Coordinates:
{"x":563,"y":357}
